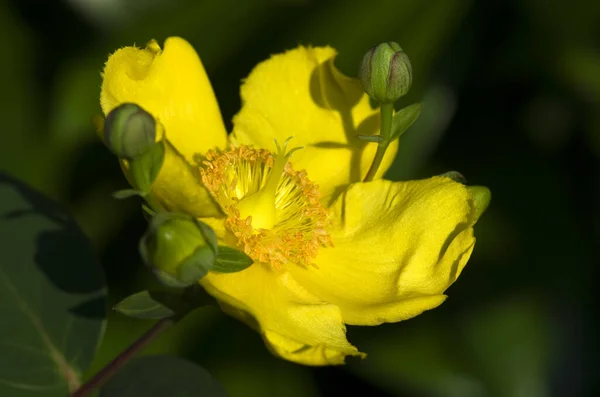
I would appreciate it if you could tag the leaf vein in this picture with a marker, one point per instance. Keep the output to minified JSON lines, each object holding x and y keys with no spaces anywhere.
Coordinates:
{"x":71,"y":377}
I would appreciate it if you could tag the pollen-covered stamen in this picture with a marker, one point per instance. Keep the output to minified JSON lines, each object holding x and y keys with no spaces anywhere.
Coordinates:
{"x":273,"y":210}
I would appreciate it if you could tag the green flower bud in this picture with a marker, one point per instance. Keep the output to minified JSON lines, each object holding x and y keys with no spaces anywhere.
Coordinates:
{"x":180,"y":250}
{"x":386,"y":73}
{"x":129,"y":131}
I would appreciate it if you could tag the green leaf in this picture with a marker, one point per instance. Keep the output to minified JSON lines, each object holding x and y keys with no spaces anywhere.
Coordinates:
{"x":145,"y":169}
{"x":455,"y":176}
{"x":230,"y":260}
{"x":197,"y":265}
{"x":159,"y":304}
{"x":404,"y":118}
{"x":52,"y":294}
{"x":142,"y":305}
{"x":168,"y":280}
{"x":208,"y":234}
{"x":127,"y":193}
{"x":158,"y":376}
{"x":147,"y":212}
{"x":369,"y":138}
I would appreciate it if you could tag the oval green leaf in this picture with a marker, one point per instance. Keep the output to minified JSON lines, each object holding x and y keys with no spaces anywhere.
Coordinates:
{"x":127,"y":193}
{"x":141,"y":305}
{"x":455,"y":176}
{"x":162,"y":376}
{"x":197,"y":265}
{"x":52,"y":294}
{"x":230,"y":260}
{"x":404,"y":118}
{"x":369,"y":138}
{"x":145,"y":169}
{"x":208,"y":233}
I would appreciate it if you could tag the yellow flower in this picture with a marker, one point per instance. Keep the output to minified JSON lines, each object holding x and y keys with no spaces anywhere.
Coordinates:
{"x":328,"y":249}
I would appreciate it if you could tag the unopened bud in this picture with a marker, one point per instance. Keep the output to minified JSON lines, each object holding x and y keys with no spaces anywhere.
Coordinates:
{"x":386,"y":72}
{"x":179,"y":249}
{"x":129,"y":131}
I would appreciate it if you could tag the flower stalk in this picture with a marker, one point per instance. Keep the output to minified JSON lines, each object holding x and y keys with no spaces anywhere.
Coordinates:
{"x":386,"y":114}
{"x":124,"y":357}
{"x":385,"y":75}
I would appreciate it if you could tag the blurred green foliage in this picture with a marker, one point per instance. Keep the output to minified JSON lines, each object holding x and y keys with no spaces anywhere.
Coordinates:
{"x":511,"y":93}
{"x":53,"y":296}
{"x":162,"y":376}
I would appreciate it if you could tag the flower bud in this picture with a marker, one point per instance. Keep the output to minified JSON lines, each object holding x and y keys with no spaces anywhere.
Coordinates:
{"x":386,"y":73}
{"x":129,"y":131}
{"x":180,"y":250}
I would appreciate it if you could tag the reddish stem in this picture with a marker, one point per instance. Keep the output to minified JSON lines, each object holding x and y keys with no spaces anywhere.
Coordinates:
{"x":111,"y":368}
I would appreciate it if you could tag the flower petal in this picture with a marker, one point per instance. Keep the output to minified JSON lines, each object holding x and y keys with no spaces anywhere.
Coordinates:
{"x":294,"y":323}
{"x":172,"y":85}
{"x":398,"y":247}
{"x":178,"y":188}
{"x":301,"y":93}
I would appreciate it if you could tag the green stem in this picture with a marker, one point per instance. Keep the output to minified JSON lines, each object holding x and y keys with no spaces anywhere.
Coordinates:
{"x":376,"y":162}
{"x":386,"y":112}
{"x":109,"y":370}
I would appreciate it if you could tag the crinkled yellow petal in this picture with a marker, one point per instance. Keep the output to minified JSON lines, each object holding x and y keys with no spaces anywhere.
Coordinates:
{"x":295,"y":324}
{"x":300,"y":93}
{"x":172,"y":85}
{"x":398,"y":247}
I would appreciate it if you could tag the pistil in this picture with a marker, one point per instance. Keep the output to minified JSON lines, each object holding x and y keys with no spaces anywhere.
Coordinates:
{"x":260,"y":206}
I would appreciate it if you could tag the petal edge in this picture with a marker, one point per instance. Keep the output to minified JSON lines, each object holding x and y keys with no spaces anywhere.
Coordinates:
{"x":397,"y":247}
{"x":172,"y":85}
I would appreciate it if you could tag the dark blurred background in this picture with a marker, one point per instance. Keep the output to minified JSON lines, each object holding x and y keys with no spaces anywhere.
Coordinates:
{"x":512,"y":100}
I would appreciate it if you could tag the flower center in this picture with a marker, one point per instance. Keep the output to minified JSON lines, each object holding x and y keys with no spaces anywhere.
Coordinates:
{"x":273,"y":211}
